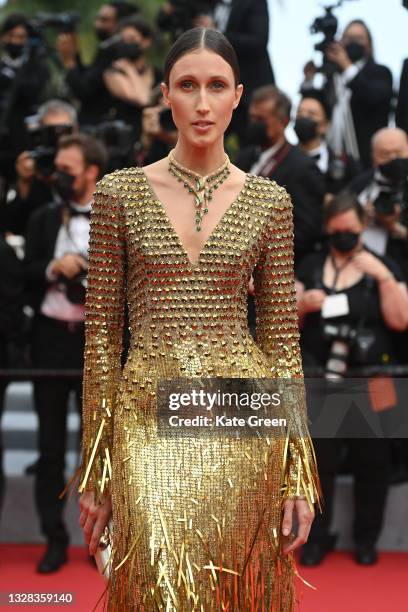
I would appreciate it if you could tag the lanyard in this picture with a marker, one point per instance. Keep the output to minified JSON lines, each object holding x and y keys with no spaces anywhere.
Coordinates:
{"x":337,"y":270}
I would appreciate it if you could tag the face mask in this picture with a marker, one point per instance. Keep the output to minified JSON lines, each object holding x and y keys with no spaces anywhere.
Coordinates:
{"x":355,"y":50}
{"x":305,"y":129}
{"x":395,"y":170}
{"x":256,"y":134}
{"x":102,"y":34}
{"x":343,"y":241}
{"x":13,"y":50}
{"x":130,"y":51}
{"x":63,"y":184}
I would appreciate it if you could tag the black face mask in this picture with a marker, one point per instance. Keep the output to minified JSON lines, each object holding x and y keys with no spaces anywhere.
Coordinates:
{"x":343,"y":241}
{"x":355,"y":50}
{"x":102,"y":34}
{"x":63,"y":184}
{"x":305,"y":129}
{"x":256,"y":134}
{"x":395,"y":170}
{"x":130,"y":51}
{"x":13,"y":50}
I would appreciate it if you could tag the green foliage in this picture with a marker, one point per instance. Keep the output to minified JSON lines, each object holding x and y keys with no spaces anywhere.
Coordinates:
{"x":87,"y":10}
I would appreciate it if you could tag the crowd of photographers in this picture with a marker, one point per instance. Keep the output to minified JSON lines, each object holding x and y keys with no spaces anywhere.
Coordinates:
{"x":64,"y":123}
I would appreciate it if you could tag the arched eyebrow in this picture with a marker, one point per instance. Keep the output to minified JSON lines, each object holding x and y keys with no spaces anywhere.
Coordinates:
{"x":191,"y":77}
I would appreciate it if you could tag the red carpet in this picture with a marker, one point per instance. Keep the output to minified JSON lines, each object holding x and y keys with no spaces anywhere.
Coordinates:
{"x":342,"y":586}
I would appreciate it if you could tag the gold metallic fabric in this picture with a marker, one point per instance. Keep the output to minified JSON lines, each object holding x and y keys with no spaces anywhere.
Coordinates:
{"x":197,"y":520}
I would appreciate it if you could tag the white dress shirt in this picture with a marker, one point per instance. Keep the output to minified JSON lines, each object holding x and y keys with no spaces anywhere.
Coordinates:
{"x":375,"y":236}
{"x":322,"y":154}
{"x":222,"y":13}
{"x":55,"y":303}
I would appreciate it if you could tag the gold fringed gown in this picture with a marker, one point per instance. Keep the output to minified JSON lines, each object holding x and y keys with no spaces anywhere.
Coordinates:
{"x":196,"y":521}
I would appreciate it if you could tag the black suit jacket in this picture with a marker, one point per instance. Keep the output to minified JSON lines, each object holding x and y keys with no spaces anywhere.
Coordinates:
{"x":401,"y":116}
{"x":41,"y":236}
{"x":11,"y":295}
{"x":248,"y":31}
{"x":303,"y":180}
{"x":370,"y":105}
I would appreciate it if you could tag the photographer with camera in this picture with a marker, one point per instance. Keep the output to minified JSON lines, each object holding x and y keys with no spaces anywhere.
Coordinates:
{"x":311,"y":126}
{"x":269,"y":154}
{"x":23,"y":77}
{"x":350,"y":301}
{"x":383,"y":191}
{"x":86,"y":82}
{"x":130,"y":79}
{"x":361,"y":90}
{"x":159,"y":132}
{"x":55,"y":272}
{"x":35,"y":167}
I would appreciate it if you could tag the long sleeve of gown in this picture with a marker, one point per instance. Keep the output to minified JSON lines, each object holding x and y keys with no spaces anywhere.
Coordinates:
{"x":104,"y":316}
{"x":277,"y":334}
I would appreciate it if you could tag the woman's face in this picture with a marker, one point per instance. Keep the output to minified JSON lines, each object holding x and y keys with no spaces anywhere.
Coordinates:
{"x":131,"y":35}
{"x":344,"y":232}
{"x":202,"y":96}
{"x":357,"y":33}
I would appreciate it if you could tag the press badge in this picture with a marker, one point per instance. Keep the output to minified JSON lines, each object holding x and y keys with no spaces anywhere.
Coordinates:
{"x":335,"y":306}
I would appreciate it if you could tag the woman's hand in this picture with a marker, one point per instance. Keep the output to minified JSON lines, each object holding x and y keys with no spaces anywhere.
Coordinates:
{"x":370,"y":264}
{"x":312,"y":300}
{"x":305,"y":518}
{"x":93,"y":518}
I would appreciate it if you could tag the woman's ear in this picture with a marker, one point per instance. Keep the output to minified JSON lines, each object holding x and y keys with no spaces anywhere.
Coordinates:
{"x":165,"y":91}
{"x":238,"y":94}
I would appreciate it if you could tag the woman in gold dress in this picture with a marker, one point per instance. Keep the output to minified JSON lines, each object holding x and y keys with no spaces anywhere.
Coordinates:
{"x":199,"y":523}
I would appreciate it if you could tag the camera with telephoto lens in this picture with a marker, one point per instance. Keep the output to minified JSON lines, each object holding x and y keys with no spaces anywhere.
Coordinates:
{"x":346,"y":343}
{"x":182,"y":15}
{"x":43,"y":143}
{"x":63,"y":22}
{"x":395,"y":190}
{"x":387,"y":200}
{"x":115,"y":48}
{"x":118,"y":138}
{"x":327,"y":25}
{"x":75,"y":288}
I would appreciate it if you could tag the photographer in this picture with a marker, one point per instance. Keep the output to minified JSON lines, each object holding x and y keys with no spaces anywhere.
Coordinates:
{"x":383,"y":193}
{"x":130,"y":79}
{"x":86,"y":82}
{"x":311,"y":126}
{"x":336,"y":336}
{"x":23,"y":76}
{"x":34,"y":168}
{"x":362,"y":88}
{"x":269,"y":154}
{"x":159,"y":132}
{"x":55,"y":272}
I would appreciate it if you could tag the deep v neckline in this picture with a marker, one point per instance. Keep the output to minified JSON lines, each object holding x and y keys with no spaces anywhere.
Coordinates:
{"x":194,"y":265}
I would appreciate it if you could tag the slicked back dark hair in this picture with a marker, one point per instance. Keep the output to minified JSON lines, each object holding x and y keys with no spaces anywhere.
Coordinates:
{"x":202,"y":38}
